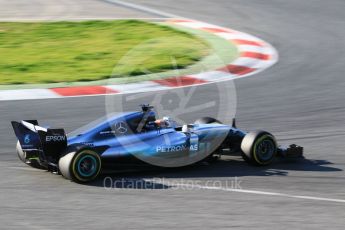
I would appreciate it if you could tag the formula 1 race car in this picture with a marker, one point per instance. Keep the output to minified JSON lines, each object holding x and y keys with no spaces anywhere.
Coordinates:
{"x":135,"y":139}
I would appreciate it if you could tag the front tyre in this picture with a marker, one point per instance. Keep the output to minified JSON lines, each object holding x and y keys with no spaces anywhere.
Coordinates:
{"x":259,"y":148}
{"x":80,"y":166}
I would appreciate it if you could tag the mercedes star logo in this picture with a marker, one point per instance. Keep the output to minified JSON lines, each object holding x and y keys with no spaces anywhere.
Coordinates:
{"x":120,"y":127}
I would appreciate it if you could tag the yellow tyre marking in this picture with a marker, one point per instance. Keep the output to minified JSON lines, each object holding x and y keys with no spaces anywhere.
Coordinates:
{"x":254,"y":149}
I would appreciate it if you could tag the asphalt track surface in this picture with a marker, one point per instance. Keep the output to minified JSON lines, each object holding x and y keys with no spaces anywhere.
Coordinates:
{"x":300,"y":99}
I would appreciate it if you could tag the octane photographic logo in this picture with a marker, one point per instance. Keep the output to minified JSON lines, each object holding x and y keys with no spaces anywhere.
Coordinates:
{"x":230,"y":184}
{"x":173,"y":98}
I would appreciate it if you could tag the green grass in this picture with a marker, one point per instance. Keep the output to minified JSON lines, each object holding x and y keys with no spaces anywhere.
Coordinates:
{"x":50,"y":52}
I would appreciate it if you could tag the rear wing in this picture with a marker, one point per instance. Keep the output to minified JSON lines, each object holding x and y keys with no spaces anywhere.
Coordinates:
{"x":32,"y":137}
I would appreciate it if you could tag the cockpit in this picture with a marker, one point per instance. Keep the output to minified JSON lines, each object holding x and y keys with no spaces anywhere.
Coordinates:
{"x":149,"y":121}
{"x":126,"y":123}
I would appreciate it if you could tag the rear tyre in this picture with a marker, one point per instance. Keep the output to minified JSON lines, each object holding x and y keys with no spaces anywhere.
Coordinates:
{"x":21,"y":154}
{"x":259,"y":148}
{"x":80,"y":166}
{"x":207,"y":120}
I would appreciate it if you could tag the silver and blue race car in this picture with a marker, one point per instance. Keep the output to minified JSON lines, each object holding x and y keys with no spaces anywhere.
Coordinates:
{"x":138,"y":139}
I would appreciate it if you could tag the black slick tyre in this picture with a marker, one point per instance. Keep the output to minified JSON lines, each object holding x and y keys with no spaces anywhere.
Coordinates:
{"x":81,"y":166}
{"x":259,"y":148}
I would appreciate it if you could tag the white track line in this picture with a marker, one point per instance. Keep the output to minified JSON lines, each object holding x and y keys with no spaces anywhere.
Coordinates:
{"x":144,"y":86}
{"x":211,"y":75}
{"x":256,"y":49}
{"x":229,"y":36}
{"x":142,"y":8}
{"x":253,"y":62}
{"x":196,"y":25}
{"x":45,"y":19}
{"x":256,"y":192}
{"x":18,"y":94}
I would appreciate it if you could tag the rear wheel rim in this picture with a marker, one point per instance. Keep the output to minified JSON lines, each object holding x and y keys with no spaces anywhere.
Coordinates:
{"x":87,"y":166}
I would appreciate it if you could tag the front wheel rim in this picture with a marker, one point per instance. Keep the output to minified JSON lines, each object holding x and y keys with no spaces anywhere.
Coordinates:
{"x":264,"y":150}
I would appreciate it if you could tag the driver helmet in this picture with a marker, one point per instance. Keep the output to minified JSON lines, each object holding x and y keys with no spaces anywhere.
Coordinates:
{"x":169,"y":122}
